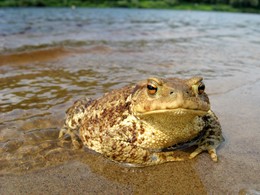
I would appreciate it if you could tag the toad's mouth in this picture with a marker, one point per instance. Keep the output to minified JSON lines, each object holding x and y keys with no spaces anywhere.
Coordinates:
{"x":175,"y":112}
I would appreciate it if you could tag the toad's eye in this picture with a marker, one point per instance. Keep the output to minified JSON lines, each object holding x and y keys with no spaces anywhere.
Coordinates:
{"x":201,"y":88}
{"x":151,"y":88}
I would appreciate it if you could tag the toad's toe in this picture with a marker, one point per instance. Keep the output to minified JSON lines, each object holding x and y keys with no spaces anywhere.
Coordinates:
{"x":195,"y":153}
{"x":213,"y":154}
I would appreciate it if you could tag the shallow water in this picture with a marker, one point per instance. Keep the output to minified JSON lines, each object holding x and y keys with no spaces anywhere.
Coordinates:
{"x":51,"y":57}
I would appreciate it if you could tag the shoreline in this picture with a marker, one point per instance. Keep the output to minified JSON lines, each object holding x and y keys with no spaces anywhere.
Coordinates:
{"x":181,"y":7}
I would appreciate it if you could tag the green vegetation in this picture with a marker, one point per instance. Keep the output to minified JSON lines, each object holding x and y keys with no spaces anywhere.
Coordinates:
{"x":209,"y":5}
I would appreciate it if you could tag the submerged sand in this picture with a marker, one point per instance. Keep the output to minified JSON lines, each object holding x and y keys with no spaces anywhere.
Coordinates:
{"x":236,"y":172}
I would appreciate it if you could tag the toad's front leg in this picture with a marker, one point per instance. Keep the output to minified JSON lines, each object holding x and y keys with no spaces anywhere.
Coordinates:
{"x":212,"y":137}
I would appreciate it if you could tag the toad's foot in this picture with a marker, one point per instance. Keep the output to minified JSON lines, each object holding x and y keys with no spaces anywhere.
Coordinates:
{"x":212,"y":152}
{"x":76,"y":142}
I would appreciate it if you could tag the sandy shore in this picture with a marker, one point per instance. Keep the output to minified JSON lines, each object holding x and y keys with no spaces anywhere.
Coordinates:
{"x":237,"y":170}
{"x":33,"y":56}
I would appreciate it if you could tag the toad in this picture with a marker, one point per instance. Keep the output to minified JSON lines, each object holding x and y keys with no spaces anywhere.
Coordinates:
{"x":144,"y":124}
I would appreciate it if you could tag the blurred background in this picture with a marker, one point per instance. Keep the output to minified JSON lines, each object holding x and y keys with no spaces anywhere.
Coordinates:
{"x":217,"y":5}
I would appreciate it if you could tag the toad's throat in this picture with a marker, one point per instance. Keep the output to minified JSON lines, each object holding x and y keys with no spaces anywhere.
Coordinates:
{"x":176,"y":126}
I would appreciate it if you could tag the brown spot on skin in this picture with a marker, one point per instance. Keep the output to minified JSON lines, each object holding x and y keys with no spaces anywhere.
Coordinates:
{"x":121,"y":148}
{"x":163,"y":156}
{"x":132,"y":130}
{"x":86,"y":130}
{"x":112,"y":123}
{"x":124,"y":117}
{"x":141,"y":129}
{"x":134,"y":125}
{"x":114,"y":146}
{"x":87,"y":137}
{"x":147,"y":107}
{"x":132,"y":155}
{"x":131,"y":149}
{"x":104,"y":113}
{"x":133,"y":139}
{"x":95,"y":103}
{"x":73,"y":122}
{"x":124,"y":130}
{"x":101,"y":130}
{"x":146,"y":157}
{"x":101,"y":139}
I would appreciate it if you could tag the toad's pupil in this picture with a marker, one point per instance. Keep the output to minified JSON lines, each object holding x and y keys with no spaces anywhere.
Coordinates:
{"x":152,"y":89}
{"x":201,"y":87}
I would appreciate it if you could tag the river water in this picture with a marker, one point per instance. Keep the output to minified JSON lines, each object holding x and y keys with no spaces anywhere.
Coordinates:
{"x":50,"y":57}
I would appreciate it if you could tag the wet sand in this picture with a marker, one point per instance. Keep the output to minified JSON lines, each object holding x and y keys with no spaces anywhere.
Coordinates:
{"x":33,"y":56}
{"x":239,"y":167}
{"x":84,"y":172}
{"x":45,"y":55}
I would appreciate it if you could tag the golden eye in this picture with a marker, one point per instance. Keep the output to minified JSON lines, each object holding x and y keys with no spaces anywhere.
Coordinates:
{"x":201,"y":88}
{"x":151,"y":88}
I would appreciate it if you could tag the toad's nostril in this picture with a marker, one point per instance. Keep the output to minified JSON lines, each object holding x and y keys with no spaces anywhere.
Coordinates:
{"x":171,"y":92}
